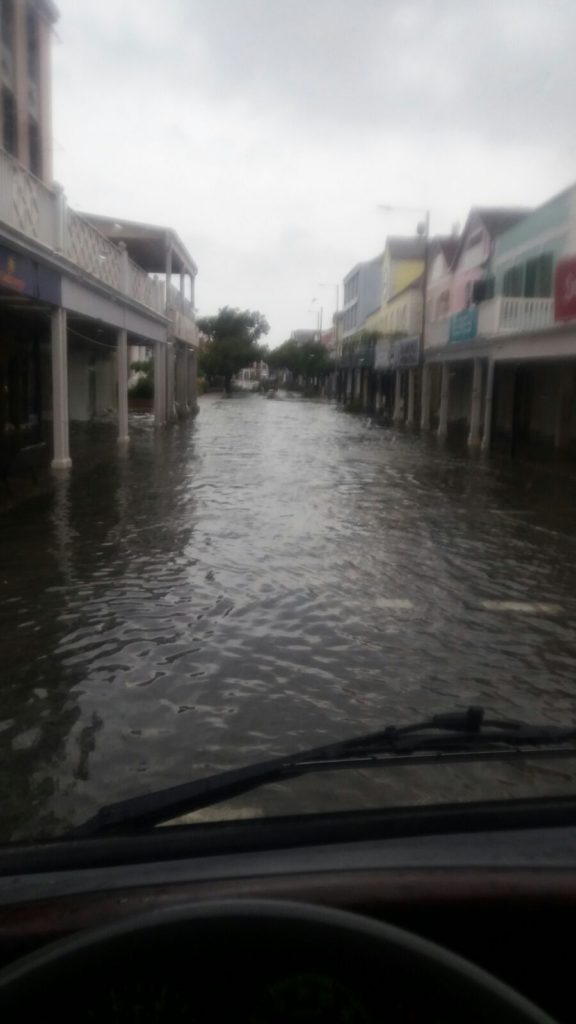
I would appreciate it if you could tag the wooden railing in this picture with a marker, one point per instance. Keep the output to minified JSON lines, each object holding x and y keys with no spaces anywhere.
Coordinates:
{"x":508,"y":315}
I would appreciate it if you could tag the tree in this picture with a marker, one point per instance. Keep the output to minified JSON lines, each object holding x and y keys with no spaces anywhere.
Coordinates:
{"x":230,"y":342}
{"x":143,"y":386}
{"x":309,"y":360}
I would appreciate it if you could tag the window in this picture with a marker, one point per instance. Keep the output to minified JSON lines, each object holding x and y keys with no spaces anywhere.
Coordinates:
{"x":442,"y":305}
{"x":538,"y":280}
{"x":532,"y":279}
{"x":35,"y":149}
{"x":513,"y":282}
{"x":33,"y":45}
{"x":7,"y":24}
{"x":9,"y":142}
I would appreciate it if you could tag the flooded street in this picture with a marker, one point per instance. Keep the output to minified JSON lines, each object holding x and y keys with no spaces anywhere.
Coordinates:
{"x":271,"y":576}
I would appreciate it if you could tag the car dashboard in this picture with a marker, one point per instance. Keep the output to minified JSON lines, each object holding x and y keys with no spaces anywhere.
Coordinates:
{"x":501,"y":898}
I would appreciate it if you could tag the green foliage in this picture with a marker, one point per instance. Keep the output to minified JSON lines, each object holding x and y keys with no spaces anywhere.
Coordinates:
{"x":309,"y":360}
{"x":143,"y":386}
{"x":231,"y":342}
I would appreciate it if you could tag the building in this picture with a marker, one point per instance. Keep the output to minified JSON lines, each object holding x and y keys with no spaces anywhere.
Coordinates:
{"x":362,"y":290}
{"x":303,"y":335}
{"x":503,"y":368}
{"x":75,"y":292}
{"x":381,"y":344}
{"x":25,"y":115}
{"x":402,"y":264}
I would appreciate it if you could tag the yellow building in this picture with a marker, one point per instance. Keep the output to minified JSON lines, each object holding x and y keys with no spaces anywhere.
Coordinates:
{"x":402,"y":269}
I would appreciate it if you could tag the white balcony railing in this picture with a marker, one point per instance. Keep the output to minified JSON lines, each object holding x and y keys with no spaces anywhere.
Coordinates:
{"x":26,"y":205}
{"x":508,"y":315}
{"x":41,"y":214}
{"x":181,"y":314}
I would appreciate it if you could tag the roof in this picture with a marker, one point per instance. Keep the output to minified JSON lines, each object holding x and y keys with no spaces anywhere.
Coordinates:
{"x":362,"y":265}
{"x":447,"y":245}
{"x":401,"y":247}
{"x":496,"y":219}
{"x":416,"y":284}
{"x":146,"y":243}
{"x":48,"y":9}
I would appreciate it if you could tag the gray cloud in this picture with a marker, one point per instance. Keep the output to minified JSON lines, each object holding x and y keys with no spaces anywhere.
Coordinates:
{"x":267,"y":131}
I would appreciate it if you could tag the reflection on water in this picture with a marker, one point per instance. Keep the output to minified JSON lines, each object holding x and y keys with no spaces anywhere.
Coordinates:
{"x":274,"y":575}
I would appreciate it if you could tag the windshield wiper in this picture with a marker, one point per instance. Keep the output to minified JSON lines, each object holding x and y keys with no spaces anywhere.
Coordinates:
{"x":446,"y":738}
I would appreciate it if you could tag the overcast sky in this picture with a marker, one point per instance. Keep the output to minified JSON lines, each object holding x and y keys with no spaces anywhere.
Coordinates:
{"x":266,"y":132}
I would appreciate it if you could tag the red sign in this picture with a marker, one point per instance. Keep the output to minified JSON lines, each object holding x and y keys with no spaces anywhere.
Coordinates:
{"x":565,"y":290}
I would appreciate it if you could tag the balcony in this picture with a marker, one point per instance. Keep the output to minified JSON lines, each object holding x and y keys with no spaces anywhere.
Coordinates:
{"x":504,"y":315}
{"x":30,"y":208}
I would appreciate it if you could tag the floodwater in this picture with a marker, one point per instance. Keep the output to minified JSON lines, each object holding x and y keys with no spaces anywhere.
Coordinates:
{"x":268,"y":577}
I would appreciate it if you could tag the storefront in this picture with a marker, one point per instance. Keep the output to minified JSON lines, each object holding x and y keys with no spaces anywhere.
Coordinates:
{"x":28,"y":291}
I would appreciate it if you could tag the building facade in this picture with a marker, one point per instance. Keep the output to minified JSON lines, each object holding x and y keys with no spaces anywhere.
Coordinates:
{"x":75,"y":293}
{"x":505,"y":371}
{"x":361,"y":292}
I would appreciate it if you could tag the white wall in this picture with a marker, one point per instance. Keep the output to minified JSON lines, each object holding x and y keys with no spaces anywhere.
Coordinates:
{"x":87,"y":400}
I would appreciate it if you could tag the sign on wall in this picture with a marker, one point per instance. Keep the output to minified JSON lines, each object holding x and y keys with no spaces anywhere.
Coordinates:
{"x":406,"y":352}
{"x":23,"y":276}
{"x":565,"y":289}
{"x":382,"y":354}
{"x":464,"y":325}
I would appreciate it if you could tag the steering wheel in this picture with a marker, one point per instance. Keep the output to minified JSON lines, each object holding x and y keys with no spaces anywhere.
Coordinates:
{"x":259,"y":962}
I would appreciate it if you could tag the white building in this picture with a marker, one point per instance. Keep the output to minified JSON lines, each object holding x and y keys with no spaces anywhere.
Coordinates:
{"x":75,"y":292}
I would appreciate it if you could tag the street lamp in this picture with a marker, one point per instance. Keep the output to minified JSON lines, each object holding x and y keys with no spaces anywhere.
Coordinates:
{"x":336,"y":286}
{"x":319,"y":312}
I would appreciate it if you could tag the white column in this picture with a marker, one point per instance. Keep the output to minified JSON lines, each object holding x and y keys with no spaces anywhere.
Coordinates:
{"x":193,"y":380}
{"x":185,"y":405}
{"x":60,"y":416}
{"x":168,"y":274}
{"x":426,"y":395}
{"x":444,"y":401}
{"x":397,"y":414}
{"x":411,"y":397}
{"x":170,"y":382}
{"x":488,"y":400}
{"x":122,"y":370}
{"x":475,"y":405}
{"x":159,"y":415}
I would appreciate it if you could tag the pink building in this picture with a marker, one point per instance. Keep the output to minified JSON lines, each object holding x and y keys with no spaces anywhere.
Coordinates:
{"x":456,"y":264}
{"x":475,"y":249}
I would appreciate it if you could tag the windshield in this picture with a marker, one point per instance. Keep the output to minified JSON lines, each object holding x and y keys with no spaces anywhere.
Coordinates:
{"x":288,"y":422}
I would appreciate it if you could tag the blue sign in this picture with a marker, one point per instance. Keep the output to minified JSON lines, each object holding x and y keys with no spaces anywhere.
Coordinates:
{"x":464,"y":325}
